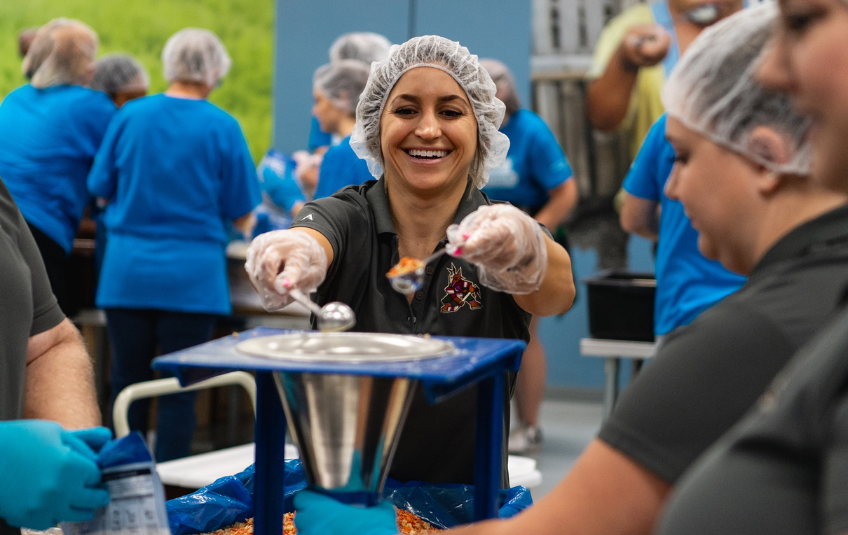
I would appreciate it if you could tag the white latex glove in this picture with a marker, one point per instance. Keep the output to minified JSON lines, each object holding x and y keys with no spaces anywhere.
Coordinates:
{"x":507,"y":245}
{"x":284,"y":259}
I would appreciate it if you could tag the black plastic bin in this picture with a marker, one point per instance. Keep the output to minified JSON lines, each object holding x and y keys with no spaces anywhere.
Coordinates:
{"x":621,"y":305}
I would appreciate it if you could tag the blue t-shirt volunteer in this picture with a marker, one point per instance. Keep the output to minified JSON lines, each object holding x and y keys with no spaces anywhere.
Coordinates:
{"x":534,"y":165}
{"x":341,"y":167}
{"x":48,"y":139}
{"x":176,"y":171}
{"x":687,"y":282}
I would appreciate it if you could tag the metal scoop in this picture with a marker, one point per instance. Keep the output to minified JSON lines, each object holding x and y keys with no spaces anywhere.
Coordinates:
{"x":332,"y":317}
{"x":410,"y":281}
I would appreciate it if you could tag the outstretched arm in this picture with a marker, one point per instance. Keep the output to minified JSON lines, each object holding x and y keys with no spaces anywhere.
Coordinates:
{"x":60,"y":379}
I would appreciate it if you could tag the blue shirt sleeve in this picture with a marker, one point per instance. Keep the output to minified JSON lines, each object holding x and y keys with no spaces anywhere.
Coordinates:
{"x":240,"y":191}
{"x":548,"y":162}
{"x":103,"y":176}
{"x":644,"y":179}
{"x":317,"y":138}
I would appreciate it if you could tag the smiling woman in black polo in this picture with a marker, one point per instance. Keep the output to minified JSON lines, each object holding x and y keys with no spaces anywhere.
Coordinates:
{"x":427,"y":124}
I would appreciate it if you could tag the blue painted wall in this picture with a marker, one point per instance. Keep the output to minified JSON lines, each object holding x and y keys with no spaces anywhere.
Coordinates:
{"x":305,"y":31}
{"x":561,"y":335}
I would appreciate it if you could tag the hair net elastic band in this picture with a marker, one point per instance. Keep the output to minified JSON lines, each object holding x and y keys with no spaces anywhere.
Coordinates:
{"x":787,"y":169}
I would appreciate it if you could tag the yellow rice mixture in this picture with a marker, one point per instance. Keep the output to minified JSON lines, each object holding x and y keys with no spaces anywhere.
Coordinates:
{"x":408,"y":524}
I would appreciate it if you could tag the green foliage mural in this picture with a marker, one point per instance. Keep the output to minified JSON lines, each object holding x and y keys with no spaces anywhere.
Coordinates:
{"x":141,"y":28}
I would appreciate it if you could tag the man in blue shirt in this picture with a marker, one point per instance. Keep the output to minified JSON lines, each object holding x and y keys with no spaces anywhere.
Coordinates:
{"x":687,"y":283}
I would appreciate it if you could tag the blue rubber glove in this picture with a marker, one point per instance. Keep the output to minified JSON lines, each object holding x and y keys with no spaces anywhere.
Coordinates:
{"x":318,"y":514}
{"x":88,"y":441}
{"x":49,"y":475}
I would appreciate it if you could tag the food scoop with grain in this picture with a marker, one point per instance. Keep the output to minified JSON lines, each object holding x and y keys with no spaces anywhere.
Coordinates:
{"x":407,"y":276}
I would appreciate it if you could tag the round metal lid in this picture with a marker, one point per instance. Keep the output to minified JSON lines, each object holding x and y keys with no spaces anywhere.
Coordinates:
{"x":346,"y":347}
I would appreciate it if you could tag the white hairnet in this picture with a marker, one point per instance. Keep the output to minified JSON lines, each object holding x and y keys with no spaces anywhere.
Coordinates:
{"x":342,"y":82}
{"x":713,"y":90}
{"x":61,"y":53}
{"x":503,"y":79}
{"x":119,"y":72}
{"x":195,"y":55}
{"x":366,"y":47}
{"x":454,"y":59}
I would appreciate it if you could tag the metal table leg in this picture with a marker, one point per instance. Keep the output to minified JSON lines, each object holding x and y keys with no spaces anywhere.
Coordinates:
{"x":611,"y":367}
{"x":270,"y":466}
{"x":487,"y":454}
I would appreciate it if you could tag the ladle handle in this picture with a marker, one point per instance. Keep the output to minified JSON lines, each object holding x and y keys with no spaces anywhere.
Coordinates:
{"x":302,"y":298}
{"x":434,"y":256}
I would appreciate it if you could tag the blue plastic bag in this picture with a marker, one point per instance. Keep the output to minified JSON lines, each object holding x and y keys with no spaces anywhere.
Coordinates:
{"x":230,"y":500}
{"x":227,"y":501}
{"x":447,"y":506}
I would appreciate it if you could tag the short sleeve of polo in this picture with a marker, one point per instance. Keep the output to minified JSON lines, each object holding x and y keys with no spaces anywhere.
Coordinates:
{"x":46,"y":313}
{"x":685,"y":399}
{"x":643,"y":179}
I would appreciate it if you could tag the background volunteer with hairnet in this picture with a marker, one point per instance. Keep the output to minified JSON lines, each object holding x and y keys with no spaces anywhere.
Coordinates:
{"x":537,"y":178}
{"x":121,"y":77}
{"x":762,"y":215}
{"x":50,"y":130}
{"x":427,"y":124}
{"x":783,"y":468}
{"x":687,"y":282}
{"x":366,"y":47}
{"x":336,"y":87}
{"x":176,"y":170}
{"x":290,"y":182}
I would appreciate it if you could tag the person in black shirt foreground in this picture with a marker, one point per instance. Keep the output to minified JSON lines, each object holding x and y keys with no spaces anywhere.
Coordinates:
{"x":742,"y":175}
{"x":427,"y":124}
{"x":784,"y":468}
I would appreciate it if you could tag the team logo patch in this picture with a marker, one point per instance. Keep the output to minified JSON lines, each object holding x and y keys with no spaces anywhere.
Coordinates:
{"x":460,"y":292}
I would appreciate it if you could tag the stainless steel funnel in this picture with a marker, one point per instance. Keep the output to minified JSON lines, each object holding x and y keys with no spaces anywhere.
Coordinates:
{"x":346,"y":426}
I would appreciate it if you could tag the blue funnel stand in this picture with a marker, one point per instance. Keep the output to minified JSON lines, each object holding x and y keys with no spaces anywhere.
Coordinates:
{"x":478,"y":361}
{"x":487,"y":454}
{"x":270,"y":468}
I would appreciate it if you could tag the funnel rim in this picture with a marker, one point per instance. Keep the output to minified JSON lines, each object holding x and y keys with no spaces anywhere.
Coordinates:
{"x":290,"y":348}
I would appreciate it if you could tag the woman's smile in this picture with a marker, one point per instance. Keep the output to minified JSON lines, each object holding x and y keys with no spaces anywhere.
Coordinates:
{"x":428,"y":132}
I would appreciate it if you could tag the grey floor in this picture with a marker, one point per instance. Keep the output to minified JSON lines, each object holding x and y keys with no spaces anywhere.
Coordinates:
{"x":567,"y":427}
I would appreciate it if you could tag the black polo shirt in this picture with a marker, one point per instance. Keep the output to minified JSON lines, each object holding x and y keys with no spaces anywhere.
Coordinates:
{"x":437,"y":443}
{"x":784,"y":468}
{"x":708,"y":374}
